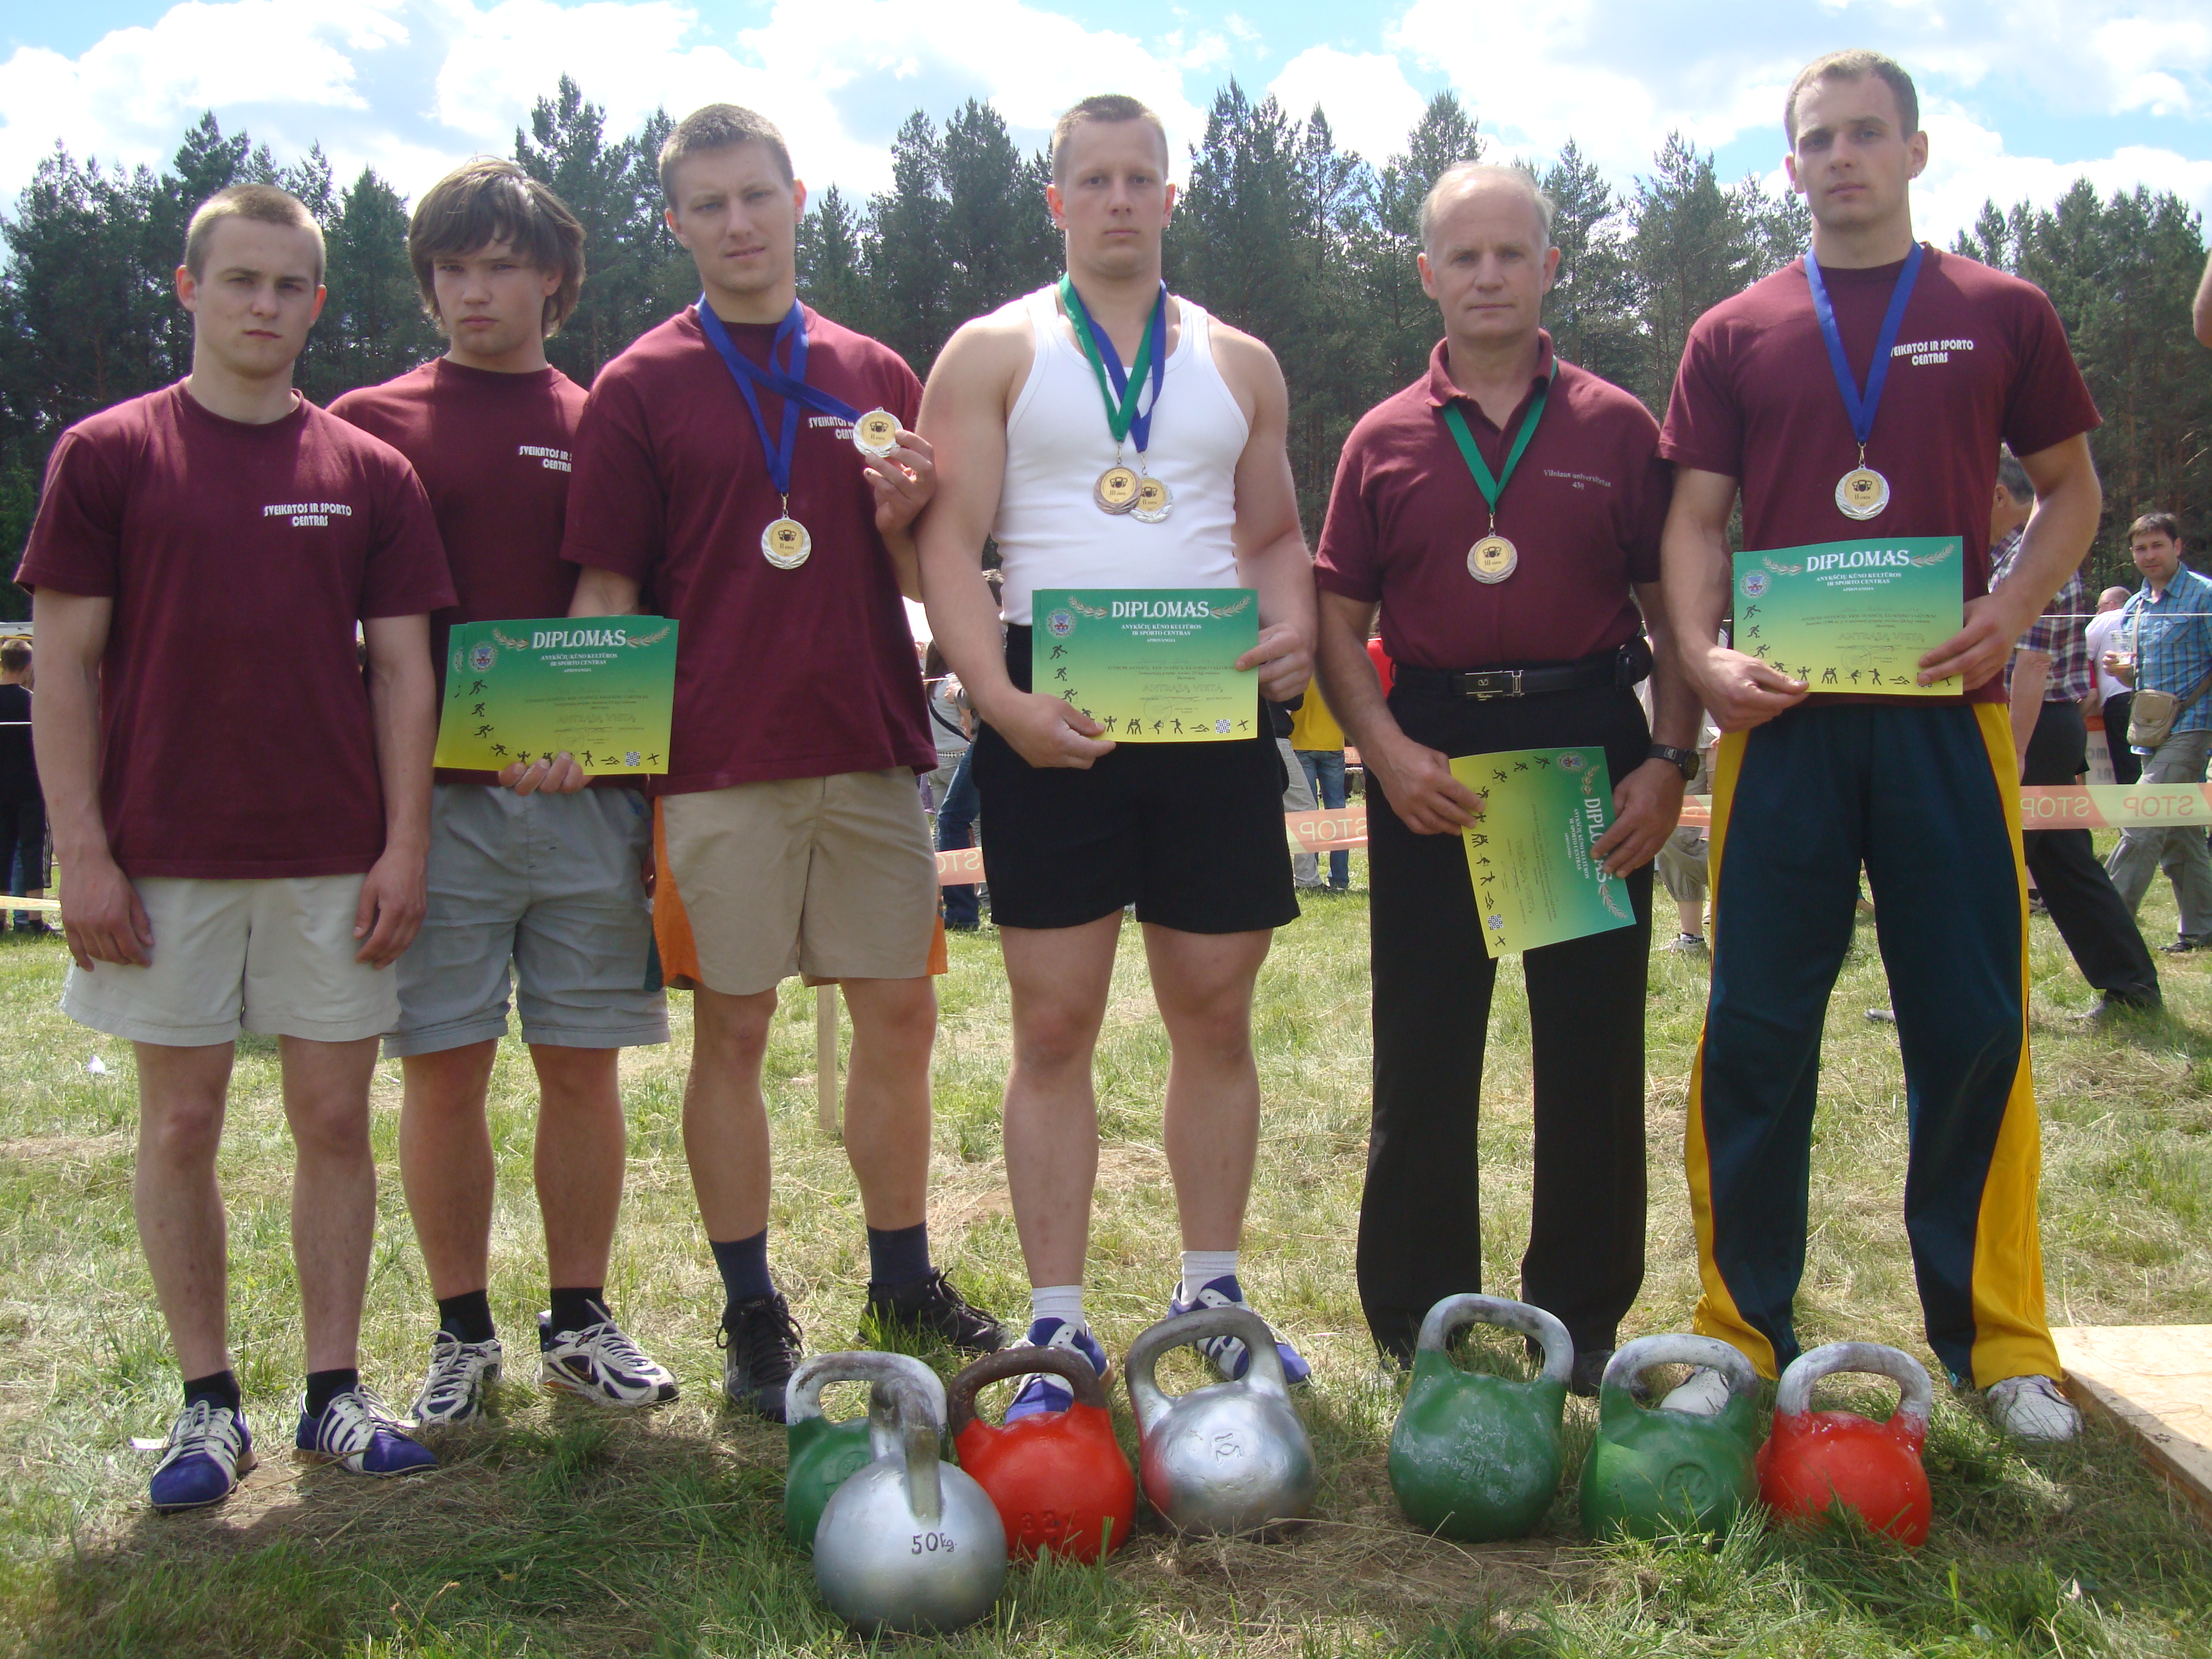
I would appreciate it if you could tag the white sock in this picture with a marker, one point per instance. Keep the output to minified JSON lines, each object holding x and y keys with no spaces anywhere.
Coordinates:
{"x":1057,"y":1301}
{"x":1202,"y":1267}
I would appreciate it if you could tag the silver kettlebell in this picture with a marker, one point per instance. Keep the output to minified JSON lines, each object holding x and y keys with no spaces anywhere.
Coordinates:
{"x":1227,"y":1458}
{"x":908,"y":1543}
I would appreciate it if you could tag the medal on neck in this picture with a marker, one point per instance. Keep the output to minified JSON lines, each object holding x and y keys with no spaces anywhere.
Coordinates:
{"x":1493,"y":558}
{"x":1861,"y":492}
{"x":1121,"y":488}
{"x":786,"y":542}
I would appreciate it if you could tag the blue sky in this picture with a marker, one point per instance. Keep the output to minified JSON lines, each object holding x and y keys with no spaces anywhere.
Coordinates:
{"x":410,"y":86}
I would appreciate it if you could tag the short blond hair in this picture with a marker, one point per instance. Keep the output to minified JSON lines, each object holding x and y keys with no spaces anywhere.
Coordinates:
{"x":1112,"y":108}
{"x":262,"y":204}
{"x":1855,"y":65}
{"x":720,"y":126}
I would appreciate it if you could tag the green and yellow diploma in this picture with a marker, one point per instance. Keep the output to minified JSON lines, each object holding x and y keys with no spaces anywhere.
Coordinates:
{"x":1536,"y":881}
{"x":1150,"y":665}
{"x":1852,"y":616}
{"x":600,"y":687}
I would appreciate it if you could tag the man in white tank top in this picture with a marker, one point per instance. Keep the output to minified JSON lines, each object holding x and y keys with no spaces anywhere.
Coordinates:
{"x":1192,"y":491}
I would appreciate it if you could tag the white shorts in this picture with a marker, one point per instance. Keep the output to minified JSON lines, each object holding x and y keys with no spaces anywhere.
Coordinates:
{"x":273,"y":956}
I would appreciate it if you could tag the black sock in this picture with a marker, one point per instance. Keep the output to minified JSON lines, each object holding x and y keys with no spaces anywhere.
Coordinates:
{"x":218,"y":1388}
{"x":743,"y":1263}
{"x":578,"y":1305}
{"x":898,"y":1255}
{"x":467,"y":1316}
{"x":323,"y":1387}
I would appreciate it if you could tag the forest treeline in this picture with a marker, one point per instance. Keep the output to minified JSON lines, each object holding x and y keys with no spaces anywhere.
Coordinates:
{"x":1279,"y":230}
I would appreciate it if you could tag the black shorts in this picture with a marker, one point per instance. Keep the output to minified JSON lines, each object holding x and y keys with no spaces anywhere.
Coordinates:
{"x":1190,"y":833}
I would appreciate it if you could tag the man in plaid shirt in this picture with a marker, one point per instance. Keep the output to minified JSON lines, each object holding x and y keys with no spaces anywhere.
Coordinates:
{"x":2049,"y":674}
{"x":2164,"y":644}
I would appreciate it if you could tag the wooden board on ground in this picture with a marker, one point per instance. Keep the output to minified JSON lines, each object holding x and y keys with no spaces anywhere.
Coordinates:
{"x":2155,"y":1381}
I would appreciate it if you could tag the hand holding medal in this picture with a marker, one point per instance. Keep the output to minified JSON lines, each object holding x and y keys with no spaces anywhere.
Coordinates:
{"x":1121,"y":488}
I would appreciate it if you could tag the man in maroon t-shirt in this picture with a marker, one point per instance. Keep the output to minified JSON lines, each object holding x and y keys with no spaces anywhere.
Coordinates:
{"x":716,"y":467}
{"x":548,"y":886}
{"x":1858,"y":398}
{"x":240,"y":821}
{"x":1529,"y":636}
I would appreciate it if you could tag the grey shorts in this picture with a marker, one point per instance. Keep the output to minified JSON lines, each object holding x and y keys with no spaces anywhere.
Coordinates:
{"x":549,"y":889}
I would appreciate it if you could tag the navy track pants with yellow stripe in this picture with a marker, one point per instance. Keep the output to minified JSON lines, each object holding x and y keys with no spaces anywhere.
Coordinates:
{"x":1924,"y":798}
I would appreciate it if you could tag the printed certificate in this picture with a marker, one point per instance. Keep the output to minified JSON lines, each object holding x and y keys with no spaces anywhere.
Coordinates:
{"x":1852,"y":616}
{"x":1150,"y":665}
{"x":1536,"y":880}
{"x":600,"y":687}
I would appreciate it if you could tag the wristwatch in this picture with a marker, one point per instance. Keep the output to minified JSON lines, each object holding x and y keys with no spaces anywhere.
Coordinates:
{"x":1683,"y":760}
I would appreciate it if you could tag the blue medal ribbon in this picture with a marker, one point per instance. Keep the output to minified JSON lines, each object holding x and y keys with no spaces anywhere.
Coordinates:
{"x":790,"y":386}
{"x":1861,"y":406}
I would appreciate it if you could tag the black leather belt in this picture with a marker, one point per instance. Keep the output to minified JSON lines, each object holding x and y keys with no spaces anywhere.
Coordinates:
{"x":1626,"y":666}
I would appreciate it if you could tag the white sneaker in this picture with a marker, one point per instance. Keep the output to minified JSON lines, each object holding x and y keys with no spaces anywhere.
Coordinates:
{"x":601,"y":1364}
{"x":1703,"y":1393}
{"x":2031,"y":1408}
{"x":454,"y":1386}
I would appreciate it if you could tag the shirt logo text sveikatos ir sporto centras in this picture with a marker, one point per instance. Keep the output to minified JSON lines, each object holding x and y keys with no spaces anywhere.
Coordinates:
{"x":553,"y":460}
{"x":305,"y":513}
{"x":1930,"y":351}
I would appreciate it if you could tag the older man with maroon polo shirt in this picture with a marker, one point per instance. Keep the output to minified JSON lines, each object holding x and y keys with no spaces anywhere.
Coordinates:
{"x":1529,"y":636}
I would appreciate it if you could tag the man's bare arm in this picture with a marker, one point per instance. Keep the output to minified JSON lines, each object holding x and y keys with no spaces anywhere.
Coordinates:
{"x":1695,"y":571}
{"x":1416,"y":778}
{"x":402,"y":704}
{"x":101,"y":915}
{"x":1271,"y":546}
{"x":1647,"y":804}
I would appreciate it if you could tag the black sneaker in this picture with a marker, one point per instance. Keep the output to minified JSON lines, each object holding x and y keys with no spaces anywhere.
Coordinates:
{"x":760,"y":1341}
{"x":2186,"y":942}
{"x":931,"y":1309}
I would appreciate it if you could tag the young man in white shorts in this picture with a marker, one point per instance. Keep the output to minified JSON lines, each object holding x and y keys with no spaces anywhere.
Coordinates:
{"x":240,"y":816}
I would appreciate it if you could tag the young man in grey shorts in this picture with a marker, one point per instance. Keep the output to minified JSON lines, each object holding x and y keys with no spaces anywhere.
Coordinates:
{"x":546,"y":889}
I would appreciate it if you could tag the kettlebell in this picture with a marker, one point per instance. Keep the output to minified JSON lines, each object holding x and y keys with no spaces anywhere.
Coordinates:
{"x":1058,"y":1478}
{"x":1814,"y":1459}
{"x":1227,"y":1458}
{"x":908,"y":1544}
{"x":1479,"y":1457}
{"x":819,"y":1453}
{"x":1654,"y":1470}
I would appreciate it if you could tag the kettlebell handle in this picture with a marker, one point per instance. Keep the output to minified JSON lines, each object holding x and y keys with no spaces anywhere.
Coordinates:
{"x":1455,"y":1313}
{"x":802,"y":1395}
{"x":1265,"y":1372}
{"x":960,"y":1410}
{"x":904,"y":1424}
{"x":1632,"y":1359}
{"x":1793,"y":1395}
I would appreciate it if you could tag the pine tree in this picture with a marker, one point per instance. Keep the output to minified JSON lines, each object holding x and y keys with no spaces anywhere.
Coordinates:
{"x":1591,"y":310}
{"x":907,"y":262}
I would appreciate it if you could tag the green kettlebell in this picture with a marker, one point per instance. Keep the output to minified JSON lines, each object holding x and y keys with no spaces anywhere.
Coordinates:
{"x":820,"y":1455}
{"x":1479,"y":1457}
{"x":1655,"y":1471}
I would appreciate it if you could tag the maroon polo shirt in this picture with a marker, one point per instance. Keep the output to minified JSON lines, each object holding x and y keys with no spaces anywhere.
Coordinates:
{"x":1981,"y":359}
{"x":1584,"y":509}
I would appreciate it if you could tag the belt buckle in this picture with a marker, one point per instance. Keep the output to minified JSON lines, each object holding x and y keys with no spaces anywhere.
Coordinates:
{"x":1482,"y":686}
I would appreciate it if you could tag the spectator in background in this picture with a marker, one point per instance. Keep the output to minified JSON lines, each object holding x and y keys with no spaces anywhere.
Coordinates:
{"x":956,"y":811}
{"x":2165,"y":645}
{"x":2112,"y":698}
{"x":948,"y":723}
{"x":1317,"y":741}
{"x":22,"y":809}
{"x":2049,"y":675}
{"x":1298,"y":788}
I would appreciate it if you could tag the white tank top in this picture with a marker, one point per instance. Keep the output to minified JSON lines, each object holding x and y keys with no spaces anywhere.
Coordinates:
{"x":1051,"y":535}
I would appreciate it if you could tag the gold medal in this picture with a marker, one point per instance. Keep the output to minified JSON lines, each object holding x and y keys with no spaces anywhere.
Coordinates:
{"x":785,"y":543}
{"x":876,"y":432}
{"x":1153,"y":502}
{"x":1116,"y":490}
{"x":1862,"y":493}
{"x":1493,"y":559}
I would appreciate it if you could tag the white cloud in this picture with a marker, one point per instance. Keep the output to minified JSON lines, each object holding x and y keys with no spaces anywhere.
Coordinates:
{"x":1968,"y":165}
{"x":1370,"y":105}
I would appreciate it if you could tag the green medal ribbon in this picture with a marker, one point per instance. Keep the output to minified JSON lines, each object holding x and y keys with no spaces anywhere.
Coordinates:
{"x":1492,"y":488}
{"x":1121,"y":413}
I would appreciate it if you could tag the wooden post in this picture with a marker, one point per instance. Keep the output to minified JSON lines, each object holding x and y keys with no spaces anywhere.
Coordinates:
{"x":825,"y":1057}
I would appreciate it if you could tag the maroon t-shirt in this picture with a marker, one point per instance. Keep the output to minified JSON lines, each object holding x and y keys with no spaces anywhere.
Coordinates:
{"x":234,"y":720}
{"x":800,"y":673}
{"x":1584,"y":509}
{"x":1981,"y":359}
{"x":493,"y":452}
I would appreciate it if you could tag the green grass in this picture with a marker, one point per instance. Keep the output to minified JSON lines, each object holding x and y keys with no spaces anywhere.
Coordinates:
{"x":557,"y":1530}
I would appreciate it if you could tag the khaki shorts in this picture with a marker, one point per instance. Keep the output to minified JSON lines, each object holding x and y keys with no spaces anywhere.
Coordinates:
{"x":275,"y":958}
{"x":831,"y":877}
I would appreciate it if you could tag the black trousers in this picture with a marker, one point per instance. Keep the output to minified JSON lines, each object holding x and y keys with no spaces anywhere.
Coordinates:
{"x":1421,"y":1231}
{"x":2089,"y":914}
{"x":2127,"y":765}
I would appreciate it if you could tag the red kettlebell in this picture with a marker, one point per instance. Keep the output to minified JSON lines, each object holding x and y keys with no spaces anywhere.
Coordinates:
{"x":1060,"y":1480}
{"x":1814,"y":1459}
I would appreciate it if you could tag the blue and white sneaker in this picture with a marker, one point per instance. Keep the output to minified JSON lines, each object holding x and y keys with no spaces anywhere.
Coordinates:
{"x":1225,"y":1354}
{"x":358,"y":1432}
{"x":1042,"y":1392}
{"x":209,"y":1448}
{"x":600,"y":1364}
{"x":460,"y":1376}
